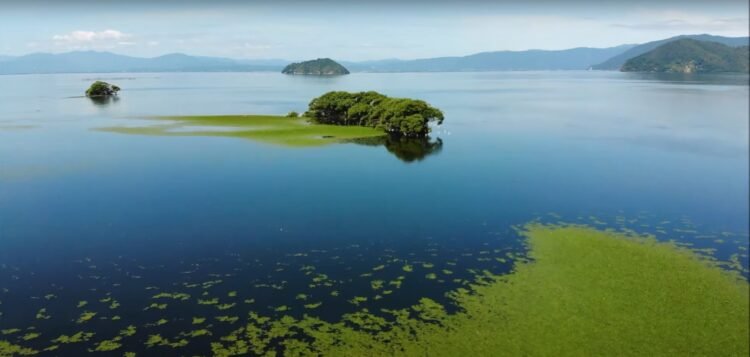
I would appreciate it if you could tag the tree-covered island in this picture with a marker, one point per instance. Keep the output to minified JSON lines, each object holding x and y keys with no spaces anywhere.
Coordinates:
{"x":400,"y":116}
{"x":102,"y":89}
{"x":317,"y":67}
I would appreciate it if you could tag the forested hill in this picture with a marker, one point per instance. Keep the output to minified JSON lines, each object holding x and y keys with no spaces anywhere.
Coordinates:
{"x":320,"y":67}
{"x":691,"y":56}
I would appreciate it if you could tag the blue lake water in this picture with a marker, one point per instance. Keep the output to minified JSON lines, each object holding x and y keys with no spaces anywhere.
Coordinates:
{"x":89,"y":215}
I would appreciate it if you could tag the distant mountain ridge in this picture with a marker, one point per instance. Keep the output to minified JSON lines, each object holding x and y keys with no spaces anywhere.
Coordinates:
{"x":691,"y":56}
{"x":581,"y":58}
{"x":617,"y":61}
{"x":572,"y":59}
{"x":93,"y":62}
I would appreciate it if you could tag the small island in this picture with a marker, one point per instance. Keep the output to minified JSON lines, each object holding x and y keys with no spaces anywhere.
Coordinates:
{"x":101,"y":89}
{"x":691,"y":56}
{"x":398,"y":116}
{"x":317,"y":67}
{"x":367,"y":118}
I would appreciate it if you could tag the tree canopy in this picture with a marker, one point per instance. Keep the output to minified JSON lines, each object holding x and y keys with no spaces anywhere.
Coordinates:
{"x":320,"y":67}
{"x":102,"y":89}
{"x":402,"y":116}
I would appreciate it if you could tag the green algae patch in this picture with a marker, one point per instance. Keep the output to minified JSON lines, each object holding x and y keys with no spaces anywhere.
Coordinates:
{"x":278,"y":130}
{"x":583,"y":291}
{"x":8,"y":349}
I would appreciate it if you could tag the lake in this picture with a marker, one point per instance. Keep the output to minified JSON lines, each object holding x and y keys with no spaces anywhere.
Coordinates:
{"x":100,"y":217}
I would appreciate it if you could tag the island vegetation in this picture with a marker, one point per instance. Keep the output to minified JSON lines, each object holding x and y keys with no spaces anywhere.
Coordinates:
{"x":101,"y":89}
{"x":318,"y":67}
{"x":281,"y":130}
{"x":691,"y":56}
{"x":397,"y":116}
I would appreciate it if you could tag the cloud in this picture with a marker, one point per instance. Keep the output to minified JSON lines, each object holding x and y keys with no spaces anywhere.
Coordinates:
{"x":83,"y":37}
{"x":92,"y":40}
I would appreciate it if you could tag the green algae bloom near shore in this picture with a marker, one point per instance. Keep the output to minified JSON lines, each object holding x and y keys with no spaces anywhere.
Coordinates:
{"x":278,"y":130}
{"x":581,"y":291}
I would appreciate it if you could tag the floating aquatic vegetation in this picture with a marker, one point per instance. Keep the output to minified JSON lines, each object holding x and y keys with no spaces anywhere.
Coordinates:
{"x":232,"y":294}
{"x":86,"y":316}
{"x":313,"y":305}
{"x":42,"y":314}
{"x":80,"y":336}
{"x":82,"y":304}
{"x":30,"y":336}
{"x":408,"y":268}
{"x":431,"y":276}
{"x":358,"y":300}
{"x":228,"y":319}
{"x":377,"y":284}
{"x":197,"y":333}
{"x":174,"y":296}
{"x":108,"y":345}
{"x":156,"y":306}
{"x":225,"y":306}
{"x":128,"y":331}
{"x":212,"y":301}
{"x":562,"y":260}
{"x":198,"y":320}
{"x":283,"y":334}
{"x":10,"y":331}
{"x":8,"y":349}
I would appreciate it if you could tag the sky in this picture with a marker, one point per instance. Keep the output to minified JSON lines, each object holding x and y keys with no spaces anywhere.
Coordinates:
{"x":352,"y":30}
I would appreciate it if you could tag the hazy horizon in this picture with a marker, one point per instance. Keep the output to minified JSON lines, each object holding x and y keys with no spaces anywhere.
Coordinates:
{"x":352,"y":32}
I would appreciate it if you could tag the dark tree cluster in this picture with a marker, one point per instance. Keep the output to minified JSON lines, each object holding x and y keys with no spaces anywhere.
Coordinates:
{"x":102,"y":89}
{"x":401,"y":116}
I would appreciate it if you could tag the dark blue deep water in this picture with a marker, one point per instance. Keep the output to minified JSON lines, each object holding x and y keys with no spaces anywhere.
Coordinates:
{"x":87,"y":215}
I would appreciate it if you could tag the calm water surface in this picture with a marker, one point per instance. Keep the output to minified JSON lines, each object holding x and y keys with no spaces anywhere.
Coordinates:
{"x":101,"y":217}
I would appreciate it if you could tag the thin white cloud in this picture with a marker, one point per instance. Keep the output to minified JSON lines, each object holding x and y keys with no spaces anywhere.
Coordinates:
{"x":83,"y":37}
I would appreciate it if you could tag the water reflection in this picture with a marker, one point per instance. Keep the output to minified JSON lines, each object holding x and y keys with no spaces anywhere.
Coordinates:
{"x":103,"y":101}
{"x":405,"y":148}
{"x":693,"y":78}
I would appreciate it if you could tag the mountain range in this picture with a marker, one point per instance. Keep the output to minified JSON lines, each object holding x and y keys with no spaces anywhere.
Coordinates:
{"x":583,"y":58}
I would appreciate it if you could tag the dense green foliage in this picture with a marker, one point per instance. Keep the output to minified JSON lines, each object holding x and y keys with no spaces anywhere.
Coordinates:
{"x":102,"y":89}
{"x":320,"y":66}
{"x":402,"y":116}
{"x":691,"y":56}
